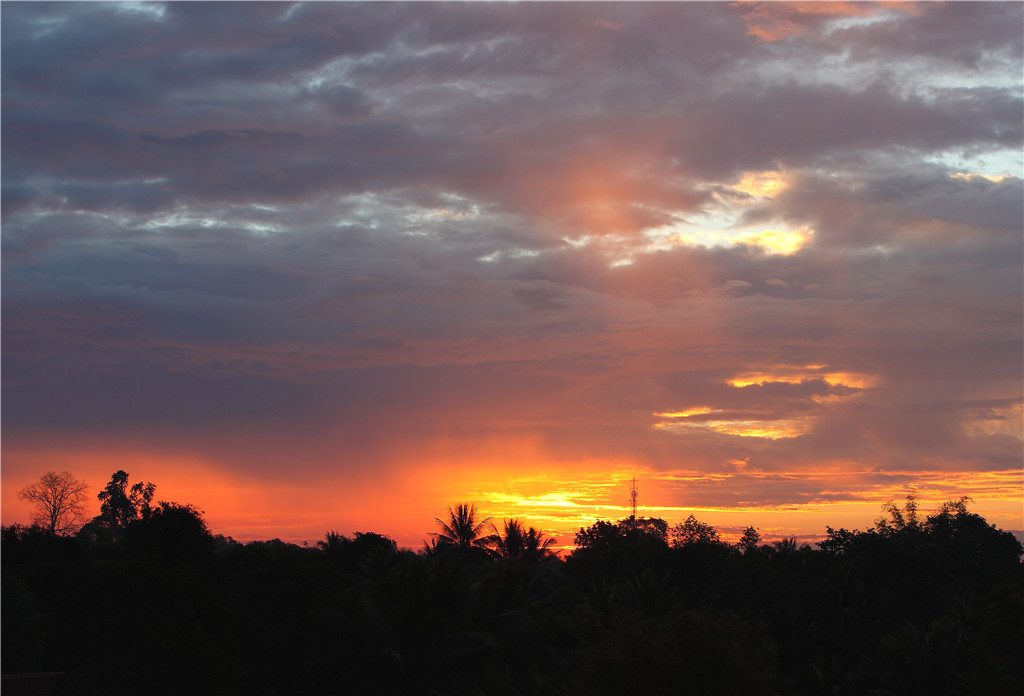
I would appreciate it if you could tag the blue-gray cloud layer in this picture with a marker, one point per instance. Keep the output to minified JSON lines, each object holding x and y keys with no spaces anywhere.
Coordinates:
{"x":363,"y":226}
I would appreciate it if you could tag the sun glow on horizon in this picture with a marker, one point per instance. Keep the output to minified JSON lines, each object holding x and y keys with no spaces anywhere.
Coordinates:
{"x":556,"y":498}
{"x":560,"y":504}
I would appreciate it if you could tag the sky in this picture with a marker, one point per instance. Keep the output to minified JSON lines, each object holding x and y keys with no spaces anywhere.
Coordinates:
{"x":319,"y":266}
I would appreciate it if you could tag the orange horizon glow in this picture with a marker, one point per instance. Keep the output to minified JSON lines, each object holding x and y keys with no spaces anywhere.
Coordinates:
{"x":553,"y":497}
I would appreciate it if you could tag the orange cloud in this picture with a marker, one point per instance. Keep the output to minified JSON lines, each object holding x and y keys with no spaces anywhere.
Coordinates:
{"x":790,"y":374}
{"x":771,"y":429}
{"x":768,"y":425}
{"x":776,"y":241}
{"x":762,"y":183}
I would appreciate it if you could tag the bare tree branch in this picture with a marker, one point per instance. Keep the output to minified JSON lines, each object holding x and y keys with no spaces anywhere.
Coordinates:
{"x":59,"y":500}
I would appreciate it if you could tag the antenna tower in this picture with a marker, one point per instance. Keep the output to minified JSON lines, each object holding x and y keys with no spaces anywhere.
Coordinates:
{"x":633,"y":495}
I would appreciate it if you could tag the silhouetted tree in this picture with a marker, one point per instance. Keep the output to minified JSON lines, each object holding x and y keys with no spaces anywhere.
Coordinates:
{"x":604,"y":534}
{"x":936,"y":611}
{"x":653,"y":528}
{"x":333,"y":543}
{"x":517,"y":543}
{"x":600,"y":534}
{"x":900,"y":519}
{"x":612,"y":551}
{"x":59,"y":500}
{"x":693,"y":531}
{"x":462,"y":529}
{"x":173,"y":532}
{"x":120,"y":505}
{"x":537,"y":545}
{"x":787,"y":547}
{"x":838,"y":542}
{"x":983,"y":550}
{"x":749,"y":541}
{"x":366,"y":543}
{"x":352,"y":551}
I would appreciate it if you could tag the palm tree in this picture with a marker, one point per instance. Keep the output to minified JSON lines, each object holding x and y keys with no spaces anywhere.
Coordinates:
{"x":512,"y":543}
{"x":537,"y":545}
{"x":462,"y":529}
{"x":519,"y":543}
{"x":333,"y":542}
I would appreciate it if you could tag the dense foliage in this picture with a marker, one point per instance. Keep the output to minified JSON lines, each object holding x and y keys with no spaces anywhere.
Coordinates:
{"x":163,"y":606}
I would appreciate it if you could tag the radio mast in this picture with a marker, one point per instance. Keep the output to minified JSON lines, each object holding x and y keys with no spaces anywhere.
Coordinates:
{"x":633,"y":495}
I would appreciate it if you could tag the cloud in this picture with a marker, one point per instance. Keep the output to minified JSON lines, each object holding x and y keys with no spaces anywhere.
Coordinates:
{"x":245,"y":234}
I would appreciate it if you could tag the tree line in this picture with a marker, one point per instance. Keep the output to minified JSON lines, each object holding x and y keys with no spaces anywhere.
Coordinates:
{"x":144,"y":598}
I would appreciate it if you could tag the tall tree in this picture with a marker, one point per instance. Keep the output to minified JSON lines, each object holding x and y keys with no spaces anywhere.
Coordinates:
{"x":749,"y":541}
{"x":59,"y":500}
{"x":120,"y":505}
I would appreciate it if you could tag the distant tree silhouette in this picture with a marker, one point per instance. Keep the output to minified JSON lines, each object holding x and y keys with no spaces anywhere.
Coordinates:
{"x":693,"y":531}
{"x":925,"y":601}
{"x":333,"y":543}
{"x":462,"y":529}
{"x":900,"y":519}
{"x":970,"y":537}
{"x":517,"y":543}
{"x":174,"y":532}
{"x":603,"y":534}
{"x":653,"y":528}
{"x":600,"y":534}
{"x":839,"y":542}
{"x":613,"y":551}
{"x":787,"y":547}
{"x":366,"y":543}
{"x":930,"y":608}
{"x":120,"y":505}
{"x":349,"y":552}
{"x":537,"y":545}
{"x":749,"y":541}
{"x":59,"y":501}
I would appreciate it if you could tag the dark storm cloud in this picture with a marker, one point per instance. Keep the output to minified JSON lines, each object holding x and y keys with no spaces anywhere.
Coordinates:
{"x":377,"y":223}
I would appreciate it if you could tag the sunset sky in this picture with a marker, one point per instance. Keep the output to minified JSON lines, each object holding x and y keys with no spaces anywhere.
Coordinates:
{"x":317,"y":266}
